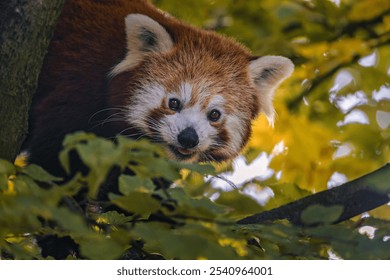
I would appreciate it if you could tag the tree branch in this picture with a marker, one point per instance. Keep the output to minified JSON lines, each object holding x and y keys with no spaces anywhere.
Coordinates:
{"x":357,"y":196}
{"x":293,"y":103}
{"x":374,"y":41}
{"x":296,"y":100}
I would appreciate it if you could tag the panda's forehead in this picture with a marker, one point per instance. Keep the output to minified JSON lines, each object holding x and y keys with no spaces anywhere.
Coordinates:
{"x":200,"y":96}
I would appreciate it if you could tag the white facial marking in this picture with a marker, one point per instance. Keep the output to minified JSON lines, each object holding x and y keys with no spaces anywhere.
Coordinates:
{"x":217,"y":102}
{"x":185,"y":92}
{"x":146,"y":100}
{"x":234,"y":123}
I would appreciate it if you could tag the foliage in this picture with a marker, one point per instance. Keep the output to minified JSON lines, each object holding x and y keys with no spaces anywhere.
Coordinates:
{"x":150,"y":222}
{"x":333,"y":122}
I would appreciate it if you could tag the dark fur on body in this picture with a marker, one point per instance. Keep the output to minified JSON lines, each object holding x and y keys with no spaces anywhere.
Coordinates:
{"x":73,"y":85}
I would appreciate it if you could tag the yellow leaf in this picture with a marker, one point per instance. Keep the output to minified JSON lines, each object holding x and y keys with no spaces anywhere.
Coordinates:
{"x":21,"y":160}
{"x":11,"y":186}
{"x":307,"y":155}
{"x":386,"y":21}
{"x":340,"y":51}
{"x":240,"y":246}
{"x":382,"y":212}
{"x":368,"y":9}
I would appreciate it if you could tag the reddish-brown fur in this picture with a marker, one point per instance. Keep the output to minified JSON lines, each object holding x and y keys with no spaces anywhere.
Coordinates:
{"x":89,"y":40}
{"x":78,"y":88}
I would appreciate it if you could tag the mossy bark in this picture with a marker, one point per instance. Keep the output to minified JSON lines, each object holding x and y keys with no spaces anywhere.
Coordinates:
{"x":26,"y":27}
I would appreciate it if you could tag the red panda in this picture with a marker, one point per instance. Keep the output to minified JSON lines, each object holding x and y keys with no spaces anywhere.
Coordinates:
{"x":123,"y":67}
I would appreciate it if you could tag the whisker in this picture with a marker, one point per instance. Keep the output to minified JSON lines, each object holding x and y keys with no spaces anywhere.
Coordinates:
{"x":111,"y":116}
{"x":106,"y":109}
{"x":128,"y":128}
{"x":107,"y":120}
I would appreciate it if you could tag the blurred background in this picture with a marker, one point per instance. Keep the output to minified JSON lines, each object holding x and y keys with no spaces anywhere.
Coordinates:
{"x":333,"y":114}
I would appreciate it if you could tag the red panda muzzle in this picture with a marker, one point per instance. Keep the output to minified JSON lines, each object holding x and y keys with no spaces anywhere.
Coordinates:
{"x":188,"y":138}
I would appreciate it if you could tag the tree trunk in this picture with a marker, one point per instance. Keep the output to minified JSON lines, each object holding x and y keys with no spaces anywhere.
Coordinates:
{"x":26,"y":27}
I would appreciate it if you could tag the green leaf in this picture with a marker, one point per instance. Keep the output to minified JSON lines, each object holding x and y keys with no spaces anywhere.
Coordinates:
{"x":70,"y":221}
{"x":100,"y":248}
{"x":379,"y":181}
{"x":136,"y":202}
{"x":204,"y":169}
{"x":348,"y":243}
{"x":98,"y":152}
{"x":194,"y":207}
{"x":182,"y":244}
{"x":26,"y":185}
{"x":152,"y":167}
{"x":319,"y":214}
{"x":128,"y":184}
{"x":6,"y":167}
{"x":64,"y":159}
{"x":113,"y":218}
{"x":71,"y":142}
{"x":365,"y":10}
{"x":3,"y":182}
{"x":37,"y":173}
{"x":77,"y":137}
{"x":241,"y":205}
{"x":100,"y":156}
{"x":23,"y":248}
{"x":285,"y":193}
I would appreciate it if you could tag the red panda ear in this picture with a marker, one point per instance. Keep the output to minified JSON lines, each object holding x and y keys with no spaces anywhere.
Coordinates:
{"x":267,"y":73}
{"x":146,"y":35}
{"x":143,"y":35}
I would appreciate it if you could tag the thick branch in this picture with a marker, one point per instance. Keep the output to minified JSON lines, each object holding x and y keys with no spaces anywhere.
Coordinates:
{"x":25,"y":31}
{"x":358,"y":196}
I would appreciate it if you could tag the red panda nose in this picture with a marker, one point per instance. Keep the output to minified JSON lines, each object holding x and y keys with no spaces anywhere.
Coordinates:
{"x":188,"y":138}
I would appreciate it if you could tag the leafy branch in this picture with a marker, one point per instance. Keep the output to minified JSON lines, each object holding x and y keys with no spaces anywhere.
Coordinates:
{"x":145,"y":222}
{"x":295,"y":102}
{"x":355,"y":197}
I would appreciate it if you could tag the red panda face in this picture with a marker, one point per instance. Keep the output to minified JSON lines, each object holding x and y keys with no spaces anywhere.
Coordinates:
{"x":193,"y":123}
{"x":198,"y":94}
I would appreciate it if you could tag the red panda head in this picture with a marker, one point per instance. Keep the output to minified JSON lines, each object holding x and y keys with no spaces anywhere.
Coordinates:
{"x":192,"y":90}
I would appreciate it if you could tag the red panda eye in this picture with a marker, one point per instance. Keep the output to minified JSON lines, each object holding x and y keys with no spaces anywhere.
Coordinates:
{"x":214,"y":115}
{"x":174,"y":104}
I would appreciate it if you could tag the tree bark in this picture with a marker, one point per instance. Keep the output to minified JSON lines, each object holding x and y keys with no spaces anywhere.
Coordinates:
{"x":26,"y":27}
{"x":356,"y":197}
